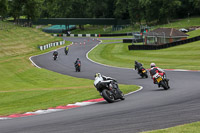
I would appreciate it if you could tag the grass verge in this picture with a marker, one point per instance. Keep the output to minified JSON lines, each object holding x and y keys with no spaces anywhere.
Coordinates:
{"x":180,"y":57}
{"x":187,"y":128}
{"x":26,"y":88}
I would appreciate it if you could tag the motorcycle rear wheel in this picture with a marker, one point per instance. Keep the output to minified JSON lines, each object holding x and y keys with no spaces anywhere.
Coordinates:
{"x":164,"y":85}
{"x":146,"y":75}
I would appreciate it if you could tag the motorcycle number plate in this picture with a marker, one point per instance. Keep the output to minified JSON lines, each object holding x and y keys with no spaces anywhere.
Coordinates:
{"x":144,"y":71}
{"x":159,"y":79}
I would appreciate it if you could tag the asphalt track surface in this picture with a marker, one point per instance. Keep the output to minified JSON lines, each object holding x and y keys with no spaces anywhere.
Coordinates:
{"x":148,"y":109}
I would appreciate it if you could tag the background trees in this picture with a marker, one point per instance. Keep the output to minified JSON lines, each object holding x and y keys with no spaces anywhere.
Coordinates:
{"x":3,"y":8}
{"x":160,"y":11}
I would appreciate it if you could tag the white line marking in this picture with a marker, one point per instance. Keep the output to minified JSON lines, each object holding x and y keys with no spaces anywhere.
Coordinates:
{"x":83,"y":103}
{"x":101,"y":63}
{"x":30,"y":58}
{"x":34,"y":62}
{"x":134,"y":91}
{"x":128,"y":68}
{"x":44,"y":111}
{"x":4,"y":118}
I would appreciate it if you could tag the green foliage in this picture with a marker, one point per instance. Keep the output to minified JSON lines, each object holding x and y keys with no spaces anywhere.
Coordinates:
{"x":160,"y":11}
{"x":32,"y":9}
{"x":4,"y":8}
{"x":29,"y":8}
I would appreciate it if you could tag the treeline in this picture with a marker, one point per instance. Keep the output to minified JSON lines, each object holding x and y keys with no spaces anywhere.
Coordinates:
{"x":160,"y":11}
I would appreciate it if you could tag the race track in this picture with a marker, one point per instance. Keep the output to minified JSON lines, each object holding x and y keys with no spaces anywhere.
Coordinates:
{"x":148,"y":109}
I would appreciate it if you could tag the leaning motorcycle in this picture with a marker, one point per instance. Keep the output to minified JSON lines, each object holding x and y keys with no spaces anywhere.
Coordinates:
{"x":111,"y":92}
{"x":162,"y":81}
{"x":77,"y":67}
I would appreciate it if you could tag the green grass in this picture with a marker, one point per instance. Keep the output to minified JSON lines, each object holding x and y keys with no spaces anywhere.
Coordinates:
{"x":100,"y":29}
{"x":194,"y":33}
{"x":24,"y":87}
{"x":109,"y":41}
{"x":179,"y":57}
{"x":182,"y":23}
{"x":187,"y":128}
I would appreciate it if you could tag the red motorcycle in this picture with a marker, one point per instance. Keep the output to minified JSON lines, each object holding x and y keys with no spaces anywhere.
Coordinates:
{"x":161,"y":80}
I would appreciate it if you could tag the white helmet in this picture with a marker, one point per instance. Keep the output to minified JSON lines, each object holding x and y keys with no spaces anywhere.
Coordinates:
{"x":152,"y":65}
{"x":97,"y":75}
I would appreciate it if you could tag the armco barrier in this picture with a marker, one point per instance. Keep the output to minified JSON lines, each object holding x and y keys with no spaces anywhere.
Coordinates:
{"x":43,"y":47}
{"x":166,"y":45}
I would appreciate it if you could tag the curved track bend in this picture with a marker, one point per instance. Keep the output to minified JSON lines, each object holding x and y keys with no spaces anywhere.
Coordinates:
{"x":151,"y":108}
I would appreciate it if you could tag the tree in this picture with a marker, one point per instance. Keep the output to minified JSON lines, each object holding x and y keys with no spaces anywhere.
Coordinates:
{"x":56,"y":9}
{"x":101,"y":8}
{"x":4,"y":8}
{"x":32,"y":9}
{"x":15,"y":9}
{"x":168,"y":10}
{"x":196,"y":5}
{"x":122,"y":9}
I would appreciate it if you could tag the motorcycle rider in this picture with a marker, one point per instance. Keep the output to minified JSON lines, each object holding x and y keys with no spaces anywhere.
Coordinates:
{"x":55,"y":53}
{"x":77,"y":64}
{"x":102,"y":81}
{"x":154,"y":70}
{"x":138,"y":66}
{"x":66,"y":49}
{"x":77,"y":61}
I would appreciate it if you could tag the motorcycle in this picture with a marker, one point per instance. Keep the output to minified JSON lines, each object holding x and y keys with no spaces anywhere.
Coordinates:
{"x":66,"y":52}
{"x":111,"y":92}
{"x":143,"y":73}
{"x":55,"y":57}
{"x":77,"y":67}
{"x":162,"y":81}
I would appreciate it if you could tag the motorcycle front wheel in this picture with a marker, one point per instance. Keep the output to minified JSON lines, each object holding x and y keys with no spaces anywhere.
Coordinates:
{"x":122,"y":96}
{"x":54,"y":58}
{"x":108,"y":96}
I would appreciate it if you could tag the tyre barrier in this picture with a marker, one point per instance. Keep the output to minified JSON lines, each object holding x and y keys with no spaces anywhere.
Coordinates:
{"x":92,"y":35}
{"x":53,"y":44}
{"x":166,"y":45}
{"x":133,"y":40}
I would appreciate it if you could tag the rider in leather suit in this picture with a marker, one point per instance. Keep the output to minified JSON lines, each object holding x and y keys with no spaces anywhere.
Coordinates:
{"x":138,"y":66}
{"x":102,"y":81}
{"x":154,"y":70}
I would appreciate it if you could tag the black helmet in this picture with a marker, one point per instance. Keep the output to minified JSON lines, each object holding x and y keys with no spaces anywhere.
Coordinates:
{"x":77,"y":58}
